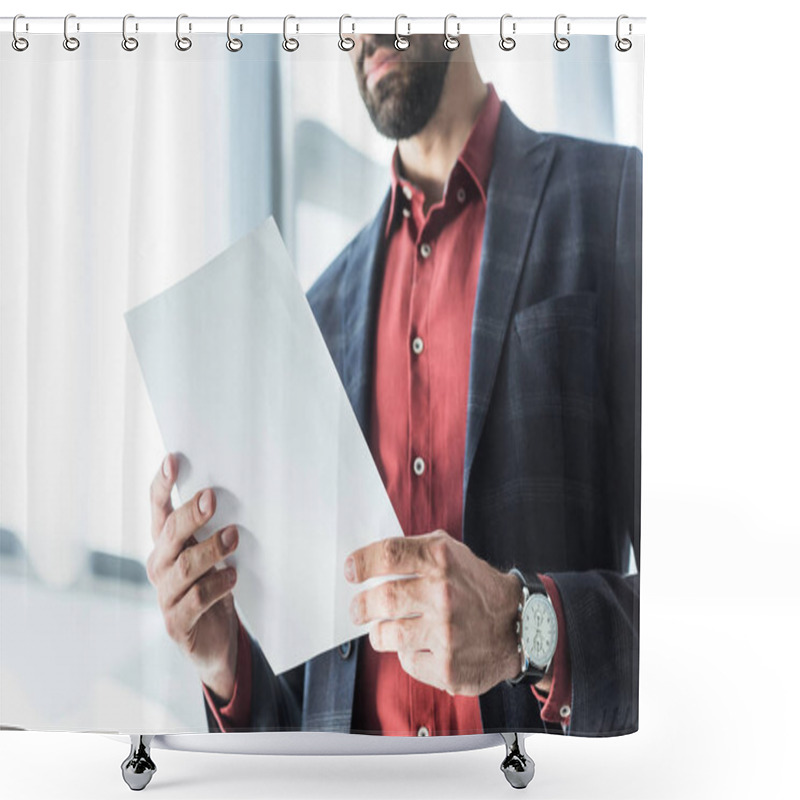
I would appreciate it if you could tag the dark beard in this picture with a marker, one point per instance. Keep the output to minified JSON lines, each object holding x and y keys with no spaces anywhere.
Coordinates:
{"x":404,"y":100}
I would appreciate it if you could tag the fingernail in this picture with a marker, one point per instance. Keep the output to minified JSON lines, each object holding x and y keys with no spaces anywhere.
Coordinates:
{"x":350,"y":569}
{"x":231,"y":576}
{"x":354,"y":610}
{"x":228,"y":538}
{"x":205,"y":502}
{"x":165,"y":467}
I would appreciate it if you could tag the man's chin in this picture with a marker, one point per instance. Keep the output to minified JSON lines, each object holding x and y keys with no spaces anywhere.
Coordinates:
{"x":399,"y":104}
{"x":390,"y":86}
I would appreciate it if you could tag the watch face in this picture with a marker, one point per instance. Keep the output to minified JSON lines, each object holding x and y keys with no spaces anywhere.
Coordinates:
{"x":539,"y":630}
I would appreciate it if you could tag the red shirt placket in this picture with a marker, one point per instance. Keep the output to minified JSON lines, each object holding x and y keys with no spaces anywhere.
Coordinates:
{"x":420,"y":463}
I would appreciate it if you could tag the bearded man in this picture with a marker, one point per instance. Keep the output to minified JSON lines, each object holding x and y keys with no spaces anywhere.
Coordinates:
{"x":486,"y":327}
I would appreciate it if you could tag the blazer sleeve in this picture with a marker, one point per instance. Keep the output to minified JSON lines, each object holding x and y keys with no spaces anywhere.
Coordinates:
{"x":276,"y":701}
{"x":602,"y":607}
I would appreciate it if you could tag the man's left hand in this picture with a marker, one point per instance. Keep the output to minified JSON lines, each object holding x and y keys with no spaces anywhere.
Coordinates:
{"x":451,"y":623}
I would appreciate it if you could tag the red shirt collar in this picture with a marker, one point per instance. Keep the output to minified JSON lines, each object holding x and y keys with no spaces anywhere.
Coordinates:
{"x":475,"y":157}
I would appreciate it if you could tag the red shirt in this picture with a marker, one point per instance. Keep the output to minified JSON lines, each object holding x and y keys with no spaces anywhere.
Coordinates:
{"x":418,"y":423}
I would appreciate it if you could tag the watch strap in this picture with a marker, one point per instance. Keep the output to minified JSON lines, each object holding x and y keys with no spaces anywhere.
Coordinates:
{"x":533,"y":583}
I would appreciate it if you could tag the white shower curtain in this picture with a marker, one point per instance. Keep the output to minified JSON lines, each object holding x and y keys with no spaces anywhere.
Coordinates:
{"x":121,"y":174}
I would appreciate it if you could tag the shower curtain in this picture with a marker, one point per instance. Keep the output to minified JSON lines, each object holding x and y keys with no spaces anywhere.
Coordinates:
{"x":374,"y":311}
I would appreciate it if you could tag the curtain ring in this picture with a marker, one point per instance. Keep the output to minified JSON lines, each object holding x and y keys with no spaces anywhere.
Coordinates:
{"x":506,"y":42}
{"x":129,"y":43}
{"x":623,"y":45}
{"x":19,"y":43}
{"x":451,"y":42}
{"x":401,"y":42}
{"x":183,"y":43}
{"x":289,"y":44}
{"x":561,"y":43}
{"x":234,"y":45}
{"x":70,"y":42}
{"x":346,"y":42}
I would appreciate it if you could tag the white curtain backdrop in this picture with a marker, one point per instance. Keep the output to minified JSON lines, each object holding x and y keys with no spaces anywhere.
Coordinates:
{"x":121,"y":173}
{"x":116,"y":182}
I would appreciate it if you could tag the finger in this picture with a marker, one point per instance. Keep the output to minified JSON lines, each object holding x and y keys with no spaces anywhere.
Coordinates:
{"x":200,"y":597}
{"x":157,"y":563}
{"x":185,"y":521}
{"x":390,"y":600}
{"x":160,"y":490}
{"x":195,"y":561}
{"x":423,"y":665}
{"x":398,"y":555}
{"x":399,"y":635}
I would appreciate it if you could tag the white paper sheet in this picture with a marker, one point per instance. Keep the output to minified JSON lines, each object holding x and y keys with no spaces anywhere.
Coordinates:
{"x":244,"y":389}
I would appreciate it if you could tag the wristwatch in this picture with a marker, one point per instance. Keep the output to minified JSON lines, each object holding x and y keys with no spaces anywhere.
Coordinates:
{"x":537,"y":628}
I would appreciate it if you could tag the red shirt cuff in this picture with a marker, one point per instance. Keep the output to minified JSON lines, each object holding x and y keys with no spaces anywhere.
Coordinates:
{"x":236,"y":712}
{"x":558,"y":702}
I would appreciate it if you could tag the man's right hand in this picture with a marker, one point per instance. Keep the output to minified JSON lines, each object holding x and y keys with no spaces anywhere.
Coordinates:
{"x":195,"y":598}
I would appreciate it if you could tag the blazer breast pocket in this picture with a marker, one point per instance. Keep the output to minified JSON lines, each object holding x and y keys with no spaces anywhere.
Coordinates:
{"x":557,"y":344}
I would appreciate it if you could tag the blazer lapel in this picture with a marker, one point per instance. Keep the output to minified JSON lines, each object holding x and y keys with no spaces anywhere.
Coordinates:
{"x":362,"y":285}
{"x":516,"y":184}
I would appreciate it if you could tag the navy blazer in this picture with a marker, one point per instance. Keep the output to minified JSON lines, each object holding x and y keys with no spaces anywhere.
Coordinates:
{"x":551,"y":475}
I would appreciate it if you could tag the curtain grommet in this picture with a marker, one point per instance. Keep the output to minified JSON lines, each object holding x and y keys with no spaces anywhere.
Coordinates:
{"x":401,"y":42}
{"x":19,"y":43}
{"x":182,"y":43}
{"x":233,"y":44}
{"x":346,"y":43}
{"x":561,"y":43}
{"x":507,"y":43}
{"x":289,"y":44}
{"x":623,"y":45}
{"x":451,"y":42}
{"x":71,"y":43}
{"x":129,"y":43}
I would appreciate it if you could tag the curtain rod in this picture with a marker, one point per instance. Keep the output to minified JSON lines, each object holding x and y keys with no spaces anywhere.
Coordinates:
{"x":517,"y":26}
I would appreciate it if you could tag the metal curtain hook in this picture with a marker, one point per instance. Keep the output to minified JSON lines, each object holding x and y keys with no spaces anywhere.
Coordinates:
{"x":234,"y":45}
{"x":561,"y":43}
{"x":401,"y":42}
{"x":506,"y":42}
{"x":19,"y":43}
{"x":129,"y":43}
{"x":289,"y":44}
{"x":70,"y":42}
{"x":451,"y":42}
{"x":623,"y":45}
{"x":346,"y":42}
{"x":183,"y":43}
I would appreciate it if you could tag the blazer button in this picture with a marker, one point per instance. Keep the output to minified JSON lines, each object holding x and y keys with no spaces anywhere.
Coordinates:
{"x":345,"y":650}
